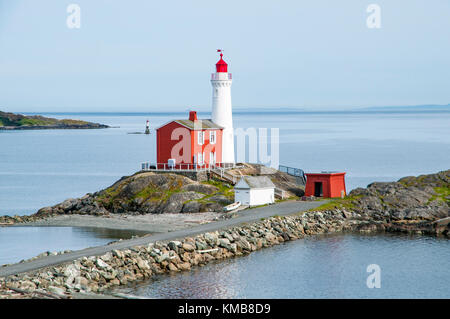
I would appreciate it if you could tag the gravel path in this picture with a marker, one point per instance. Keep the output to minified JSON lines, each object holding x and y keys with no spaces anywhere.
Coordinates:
{"x":151,"y":223}
{"x":244,"y":216}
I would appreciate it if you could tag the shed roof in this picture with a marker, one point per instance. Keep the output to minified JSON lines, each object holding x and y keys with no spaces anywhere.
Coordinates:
{"x":255,"y":182}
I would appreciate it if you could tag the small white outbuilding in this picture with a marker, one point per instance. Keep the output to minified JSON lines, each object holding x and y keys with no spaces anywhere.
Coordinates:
{"x":254,"y":190}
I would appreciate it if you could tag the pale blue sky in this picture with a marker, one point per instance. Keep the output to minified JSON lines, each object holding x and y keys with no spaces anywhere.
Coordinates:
{"x":143,"y":55}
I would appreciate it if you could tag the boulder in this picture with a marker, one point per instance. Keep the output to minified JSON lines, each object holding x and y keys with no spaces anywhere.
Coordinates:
{"x":200,"y":188}
{"x":177,"y":200}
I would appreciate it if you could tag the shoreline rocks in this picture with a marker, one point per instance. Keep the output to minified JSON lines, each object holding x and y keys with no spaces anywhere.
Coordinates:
{"x":100,"y":274}
{"x":414,"y":205}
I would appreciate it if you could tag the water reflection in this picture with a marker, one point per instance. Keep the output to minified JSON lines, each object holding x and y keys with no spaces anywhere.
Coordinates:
{"x":17,"y":243}
{"x":319,"y":267}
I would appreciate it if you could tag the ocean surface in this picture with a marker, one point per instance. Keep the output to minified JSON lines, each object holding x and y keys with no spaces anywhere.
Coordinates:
{"x":333,"y":266}
{"x":43,"y":168}
{"x":17,"y":243}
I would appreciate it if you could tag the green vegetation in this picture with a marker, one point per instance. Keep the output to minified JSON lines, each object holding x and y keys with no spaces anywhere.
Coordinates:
{"x":286,"y":199}
{"x":18,"y":120}
{"x":337,"y":203}
{"x":443,"y":195}
{"x":223,"y":187}
{"x":73,"y":122}
{"x":35,"y":122}
{"x":257,"y":206}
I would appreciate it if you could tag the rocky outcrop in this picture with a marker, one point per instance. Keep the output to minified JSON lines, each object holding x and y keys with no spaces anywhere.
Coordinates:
{"x":102,"y":273}
{"x":425,"y":197}
{"x":148,"y":193}
{"x":409,"y":205}
{"x":11,"y":121}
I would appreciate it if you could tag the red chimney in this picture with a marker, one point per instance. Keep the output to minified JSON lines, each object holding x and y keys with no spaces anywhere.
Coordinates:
{"x":193,"y":116}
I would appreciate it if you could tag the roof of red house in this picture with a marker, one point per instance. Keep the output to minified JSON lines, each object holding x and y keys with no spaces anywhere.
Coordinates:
{"x":197,"y":125}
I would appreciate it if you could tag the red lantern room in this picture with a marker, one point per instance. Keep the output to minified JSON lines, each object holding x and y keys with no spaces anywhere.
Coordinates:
{"x":325,"y":184}
{"x":221,"y":66}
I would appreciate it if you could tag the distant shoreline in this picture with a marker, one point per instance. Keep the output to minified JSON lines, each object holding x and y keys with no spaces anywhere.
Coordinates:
{"x":54,"y":127}
{"x":12,"y":121}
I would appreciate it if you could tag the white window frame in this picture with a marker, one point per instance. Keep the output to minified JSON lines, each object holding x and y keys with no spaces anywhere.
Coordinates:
{"x":212,"y":137}
{"x":200,"y":137}
{"x":200,"y":158}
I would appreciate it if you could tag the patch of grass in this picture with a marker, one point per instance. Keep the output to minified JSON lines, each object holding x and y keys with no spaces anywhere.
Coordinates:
{"x":286,"y":199}
{"x":73,"y":122}
{"x":443,"y":194}
{"x":257,"y":206}
{"x":224,"y":188}
{"x":337,"y":203}
{"x":34,"y":122}
{"x":1,"y":122}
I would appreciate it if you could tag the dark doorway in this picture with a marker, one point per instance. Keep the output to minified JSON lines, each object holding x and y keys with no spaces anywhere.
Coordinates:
{"x":318,"y":189}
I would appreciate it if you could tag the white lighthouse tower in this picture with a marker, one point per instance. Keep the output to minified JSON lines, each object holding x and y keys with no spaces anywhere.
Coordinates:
{"x":221,"y":108}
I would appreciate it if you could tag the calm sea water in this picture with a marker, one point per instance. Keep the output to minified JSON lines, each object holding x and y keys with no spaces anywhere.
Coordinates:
{"x":17,"y":243}
{"x":43,"y":168}
{"x":319,"y":267}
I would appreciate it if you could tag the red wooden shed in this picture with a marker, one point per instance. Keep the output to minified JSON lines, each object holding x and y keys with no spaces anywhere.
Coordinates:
{"x":325,"y":184}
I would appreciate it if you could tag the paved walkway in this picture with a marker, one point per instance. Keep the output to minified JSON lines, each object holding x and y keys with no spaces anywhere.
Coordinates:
{"x":244,"y":216}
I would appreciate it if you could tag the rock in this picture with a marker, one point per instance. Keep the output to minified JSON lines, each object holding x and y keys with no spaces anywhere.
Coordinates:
{"x":101,"y":264}
{"x":243,"y":244}
{"x":177,"y":200}
{"x":174,"y":245}
{"x":212,"y":239}
{"x":107,"y":257}
{"x":71,"y":272}
{"x":82,"y":282}
{"x":118,"y":254}
{"x":57,"y":290}
{"x":115,"y":282}
{"x":172,"y":267}
{"x":201,"y":245}
{"x":200,"y":188}
{"x":184,"y":266}
{"x":161,"y":258}
{"x":192,"y":207}
{"x":211,"y":207}
{"x":142,"y":264}
{"x":221,"y":199}
{"x":224,"y":242}
{"x":28,"y":285}
{"x":188,"y":247}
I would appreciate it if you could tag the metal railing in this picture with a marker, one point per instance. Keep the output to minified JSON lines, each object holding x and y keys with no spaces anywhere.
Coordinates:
{"x":221,"y":172}
{"x":147,"y":166}
{"x":293,"y":171}
{"x":219,"y":76}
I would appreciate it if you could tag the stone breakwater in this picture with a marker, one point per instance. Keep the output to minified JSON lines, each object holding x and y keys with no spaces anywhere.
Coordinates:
{"x":98,"y":274}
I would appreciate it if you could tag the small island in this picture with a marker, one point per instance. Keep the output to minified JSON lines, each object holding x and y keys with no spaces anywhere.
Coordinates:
{"x":11,"y":121}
